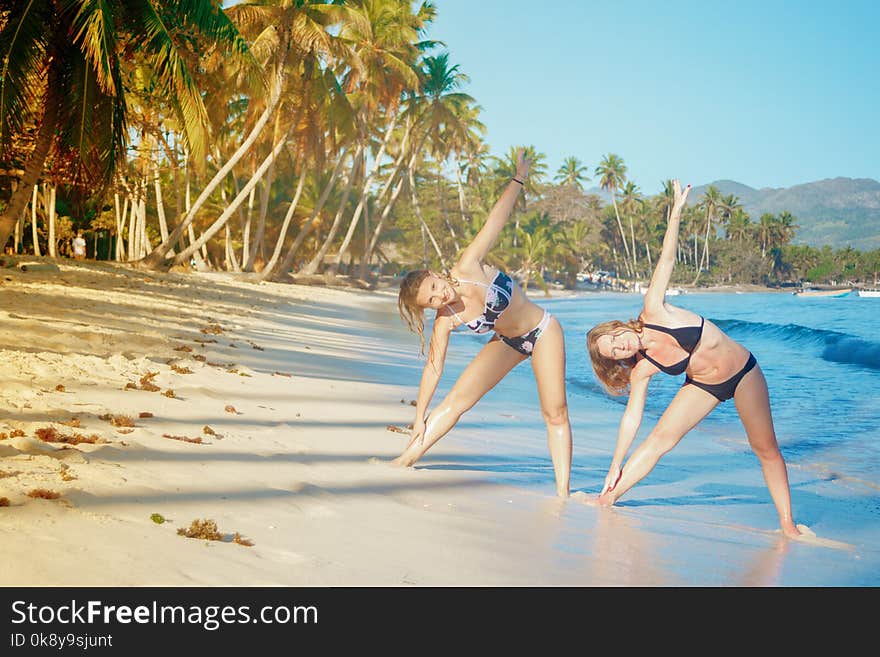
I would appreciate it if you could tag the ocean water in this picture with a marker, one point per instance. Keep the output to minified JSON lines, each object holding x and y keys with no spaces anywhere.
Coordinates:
{"x":821,"y":358}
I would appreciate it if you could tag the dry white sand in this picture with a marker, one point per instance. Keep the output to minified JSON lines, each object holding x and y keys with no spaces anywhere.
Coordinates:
{"x":293,"y":455}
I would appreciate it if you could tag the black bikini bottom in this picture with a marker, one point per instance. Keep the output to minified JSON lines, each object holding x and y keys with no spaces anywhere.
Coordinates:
{"x":724,"y":391}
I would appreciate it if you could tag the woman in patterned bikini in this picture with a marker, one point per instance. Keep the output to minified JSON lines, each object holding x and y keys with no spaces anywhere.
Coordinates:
{"x":625,"y":355}
{"x":485,"y":299}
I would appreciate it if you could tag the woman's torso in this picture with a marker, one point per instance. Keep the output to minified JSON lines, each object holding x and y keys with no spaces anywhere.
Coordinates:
{"x":517,"y":314}
{"x":715,"y":357}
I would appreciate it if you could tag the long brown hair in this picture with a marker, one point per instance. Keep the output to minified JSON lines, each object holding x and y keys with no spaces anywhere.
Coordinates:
{"x":614,"y":374}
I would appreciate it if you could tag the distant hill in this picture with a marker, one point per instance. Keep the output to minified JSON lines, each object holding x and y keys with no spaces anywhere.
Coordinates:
{"x":839,"y":212}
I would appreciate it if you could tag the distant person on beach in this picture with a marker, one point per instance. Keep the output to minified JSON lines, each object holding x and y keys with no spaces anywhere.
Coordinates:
{"x":79,"y":246}
{"x":484,"y":299}
{"x":664,"y":338}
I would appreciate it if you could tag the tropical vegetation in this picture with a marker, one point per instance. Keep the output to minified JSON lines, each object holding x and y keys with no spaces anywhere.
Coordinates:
{"x":305,"y":138}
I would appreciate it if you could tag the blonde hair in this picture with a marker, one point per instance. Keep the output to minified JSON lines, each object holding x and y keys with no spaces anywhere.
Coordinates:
{"x":411,"y":312}
{"x":614,"y":374}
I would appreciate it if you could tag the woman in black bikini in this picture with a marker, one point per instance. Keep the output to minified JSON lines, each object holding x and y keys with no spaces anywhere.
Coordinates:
{"x":626,"y":356}
{"x":522,"y":330}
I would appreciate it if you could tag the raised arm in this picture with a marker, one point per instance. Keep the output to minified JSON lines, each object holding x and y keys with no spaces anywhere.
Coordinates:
{"x":666,"y":261}
{"x":629,"y":426}
{"x":431,"y":374}
{"x":485,"y":239}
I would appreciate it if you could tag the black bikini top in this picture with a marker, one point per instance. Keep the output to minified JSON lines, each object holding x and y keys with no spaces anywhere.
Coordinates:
{"x":687,"y":337}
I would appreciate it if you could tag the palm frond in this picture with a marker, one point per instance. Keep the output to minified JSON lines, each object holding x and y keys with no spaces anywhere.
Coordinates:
{"x":92,"y":133}
{"x":24,"y":43}
{"x":94,"y":31}
{"x":174,"y":77}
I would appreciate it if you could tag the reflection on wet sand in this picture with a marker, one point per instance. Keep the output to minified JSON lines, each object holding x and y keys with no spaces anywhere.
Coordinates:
{"x":767,"y":565}
{"x":623,"y":554}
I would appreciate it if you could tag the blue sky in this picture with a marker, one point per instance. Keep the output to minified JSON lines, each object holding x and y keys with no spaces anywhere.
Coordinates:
{"x":769,"y":94}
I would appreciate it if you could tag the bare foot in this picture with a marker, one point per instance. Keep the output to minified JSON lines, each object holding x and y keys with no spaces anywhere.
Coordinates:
{"x":791,"y":531}
{"x":606,"y":498}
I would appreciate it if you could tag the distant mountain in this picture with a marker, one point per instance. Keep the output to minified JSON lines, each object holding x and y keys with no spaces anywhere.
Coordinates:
{"x":839,"y":212}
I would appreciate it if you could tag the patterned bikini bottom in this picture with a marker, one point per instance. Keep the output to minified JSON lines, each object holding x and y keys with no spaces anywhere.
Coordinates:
{"x":525,"y":344}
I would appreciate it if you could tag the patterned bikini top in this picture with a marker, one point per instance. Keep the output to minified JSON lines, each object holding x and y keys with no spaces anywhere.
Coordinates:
{"x":498,"y":296}
{"x":687,"y":338}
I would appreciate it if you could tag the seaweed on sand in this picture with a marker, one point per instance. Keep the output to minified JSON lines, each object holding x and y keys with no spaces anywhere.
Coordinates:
{"x":44,"y":494}
{"x":207,"y":529}
{"x":52,"y":435}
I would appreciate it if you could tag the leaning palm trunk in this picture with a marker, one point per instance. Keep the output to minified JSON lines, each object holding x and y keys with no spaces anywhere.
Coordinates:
{"x":418,"y":209}
{"x":160,"y":253}
{"x":231,"y":260}
{"x":368,"y":254}
{"x":365,"y":191}
{"x":268,"y":179}
{"x":461,"y":199}
{"x":318,"y":259}
{"x":223,"y":218}
{"x":273,"y":261}
{"x":34,"y":167}
{"x":246,"y":226}
{"x":448,"y":223}
{"x":196,"y":256}
{"x":397,"y":169}
{"x":160,"y":206}
{"x":626,"y":260}
{"x":307,"y":227}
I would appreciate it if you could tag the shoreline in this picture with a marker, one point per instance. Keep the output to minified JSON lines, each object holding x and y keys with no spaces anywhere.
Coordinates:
{"x":273,"y":410}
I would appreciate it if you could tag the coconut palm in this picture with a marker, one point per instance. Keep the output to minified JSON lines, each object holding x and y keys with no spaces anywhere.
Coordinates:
{"x":710,"y":202}
{"x":612,"y":175}
{"x":630,"y":202}
{"x":739,"y":226}
{"x":62,"y":69}
{"x":572,"y":172}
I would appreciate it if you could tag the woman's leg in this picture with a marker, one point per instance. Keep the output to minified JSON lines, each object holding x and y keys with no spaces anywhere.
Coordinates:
{"x":753,"y":405}
{"x":491,"y":365}
{"x":689,"y":406}
{"x":548,"y":364}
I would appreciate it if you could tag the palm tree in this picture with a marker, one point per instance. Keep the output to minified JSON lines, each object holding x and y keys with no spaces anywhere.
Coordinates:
{"x":739,"y":226}
{"x":630,"y":201}
{"x":612,"y":175}
{"x":765,"y":231}
{"x":291,"y":38}
{"x":572,"y":172}
{"x":383,"y":45}
{"x":711,"y":201}
{"x":536,"y":247}
{"x":505,"y":169}
{"x":446,"y":115}
{"x":62,"y":69}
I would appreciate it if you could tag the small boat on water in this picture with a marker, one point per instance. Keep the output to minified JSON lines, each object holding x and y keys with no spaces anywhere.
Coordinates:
{"x":814,"y":293}
{"x":869,"y":292}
